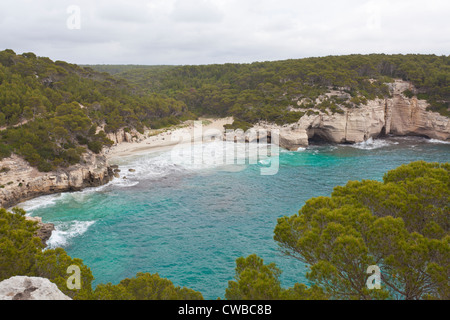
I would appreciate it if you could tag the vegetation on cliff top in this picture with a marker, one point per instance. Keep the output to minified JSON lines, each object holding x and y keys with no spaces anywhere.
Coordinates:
{"x":53,"y":112}
{"x":264,"y":90}
{"x":400,"y":225}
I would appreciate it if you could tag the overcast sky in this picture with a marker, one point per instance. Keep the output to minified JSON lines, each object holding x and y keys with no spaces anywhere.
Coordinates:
{"x":218,"y":31}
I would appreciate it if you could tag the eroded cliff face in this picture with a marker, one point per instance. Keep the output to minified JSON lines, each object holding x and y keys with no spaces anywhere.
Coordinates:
{"x":19,"y":181}
{"x":398,"y":115}
{"x":126,"y":136}
{"x":408,"y":116}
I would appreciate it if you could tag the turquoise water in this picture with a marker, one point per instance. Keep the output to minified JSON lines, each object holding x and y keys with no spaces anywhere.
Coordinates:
{"x":190,"y":223}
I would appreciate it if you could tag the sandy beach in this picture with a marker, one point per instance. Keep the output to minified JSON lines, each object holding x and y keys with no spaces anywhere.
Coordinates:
{"x":204,"y":129}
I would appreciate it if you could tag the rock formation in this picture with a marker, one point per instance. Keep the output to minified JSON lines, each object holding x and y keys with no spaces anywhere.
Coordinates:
{"x":123,"y":135}
{"x":397,"y":115}
{"x":19,"y":182}
{"x":30,"y":288}
{"x":22,"y":182}
{"x":45,"y":229}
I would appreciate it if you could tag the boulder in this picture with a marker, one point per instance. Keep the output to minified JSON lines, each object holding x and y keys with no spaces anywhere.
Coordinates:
{"x":293,"y":139}
{"x":30,"y":288}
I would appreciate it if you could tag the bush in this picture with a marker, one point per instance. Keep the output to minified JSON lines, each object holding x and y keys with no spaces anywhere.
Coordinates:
{"x":95,"y":146}
{"x":5,"y":151}
{"x":408,"y":93}
{"x":145,"y":286}
{"x":238,"y":124}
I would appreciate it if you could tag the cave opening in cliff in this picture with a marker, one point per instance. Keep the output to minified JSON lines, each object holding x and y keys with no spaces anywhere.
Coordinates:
{"x":317,"y":139}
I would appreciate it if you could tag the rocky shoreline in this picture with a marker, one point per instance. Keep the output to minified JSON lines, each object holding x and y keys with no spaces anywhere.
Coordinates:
{"x":23,"y":182}
{"x":398,"y":116}
{"x":20,"y":182}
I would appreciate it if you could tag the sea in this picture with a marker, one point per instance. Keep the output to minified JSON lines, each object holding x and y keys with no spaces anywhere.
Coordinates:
{"x":190,"y":220}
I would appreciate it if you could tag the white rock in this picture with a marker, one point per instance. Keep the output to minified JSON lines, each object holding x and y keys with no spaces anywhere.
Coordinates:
{"x":398,"y":115}
{"x":30,"y":288}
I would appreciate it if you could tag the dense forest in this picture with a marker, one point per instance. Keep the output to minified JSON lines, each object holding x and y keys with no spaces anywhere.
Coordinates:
{"x":266,"y":90}
{"x":400,"y":225}
{"x":51,"y":112}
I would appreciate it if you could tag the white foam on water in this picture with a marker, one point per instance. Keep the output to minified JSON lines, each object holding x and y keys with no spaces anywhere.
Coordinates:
{"x":217,"y":155}
{"x":301,"y":149}
{"x":66,"y":231}
{"x":40,"y":202}
{"x":265,"y":162}
{"x":371,"y":144}
{"x":438,"y":141}
{"x":77,"y":196}
{"x":123,"y":183}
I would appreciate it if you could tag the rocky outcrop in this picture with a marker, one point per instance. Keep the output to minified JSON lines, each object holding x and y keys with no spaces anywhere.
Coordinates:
{"x":409,"y":116}
{"x":124,"y":135}
{"x":397,"y":115}
{"x":44,"y":231}
{"x":354,"y":125}
{"x":22,"y":182}
{"x":30,"y":288}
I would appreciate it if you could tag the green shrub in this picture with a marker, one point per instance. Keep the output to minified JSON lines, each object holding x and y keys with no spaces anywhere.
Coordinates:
{"x":145,"y":286}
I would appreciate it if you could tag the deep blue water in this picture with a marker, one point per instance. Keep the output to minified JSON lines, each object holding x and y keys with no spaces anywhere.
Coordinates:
{"x":190,"y":223}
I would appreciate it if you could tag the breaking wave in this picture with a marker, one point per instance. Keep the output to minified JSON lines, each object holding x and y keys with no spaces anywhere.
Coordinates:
{"x":438,"y":141}
{"x":66,"y":231}
{"x":371,"y":144}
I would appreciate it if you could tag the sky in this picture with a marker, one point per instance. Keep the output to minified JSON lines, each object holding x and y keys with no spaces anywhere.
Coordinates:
{"x":180,"y":32}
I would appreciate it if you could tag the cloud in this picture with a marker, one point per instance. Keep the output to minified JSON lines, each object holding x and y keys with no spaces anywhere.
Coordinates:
{"x":218,"y":31}
{"x":196,"y":11}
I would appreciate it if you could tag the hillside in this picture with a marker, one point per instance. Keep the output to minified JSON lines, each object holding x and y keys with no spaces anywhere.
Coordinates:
{"x":268,"y":91}
{"x":53,"y":112}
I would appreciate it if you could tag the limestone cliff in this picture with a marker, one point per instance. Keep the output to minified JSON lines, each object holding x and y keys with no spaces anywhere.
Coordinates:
{"x":408,"y":116}
{"x":397,"y":115}
{"x":123,"y":135}
{"x":19,"y":181}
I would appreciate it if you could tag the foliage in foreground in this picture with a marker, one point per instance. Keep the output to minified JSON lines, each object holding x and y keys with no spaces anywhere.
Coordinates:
{"x":401,"y":225}
{"x":145,"y":286}
{"x":255,"y":280}
{"x":21,"y":253}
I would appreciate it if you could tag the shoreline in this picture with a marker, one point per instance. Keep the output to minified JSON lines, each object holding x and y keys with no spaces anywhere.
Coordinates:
{"x":97,"y":170}
{"x":22,"y":182}
{"x":161,"y":142}
{"x":170,"y":137}
{"x":100,"y":169}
